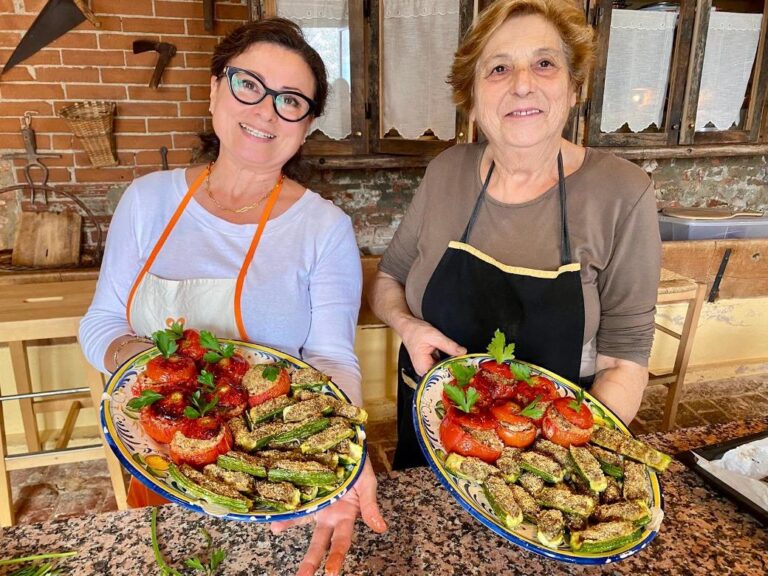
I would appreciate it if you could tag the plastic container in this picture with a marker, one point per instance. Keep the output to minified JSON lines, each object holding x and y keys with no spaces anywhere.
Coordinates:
{"x":673,"y":228}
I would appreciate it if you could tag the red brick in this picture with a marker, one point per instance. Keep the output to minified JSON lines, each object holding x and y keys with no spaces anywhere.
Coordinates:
{"x":12,"y":140}
{"x":95,"y":92}
{"x":65,"y":160}
{"x":17,"y":109}
{"x":175,"y":157}
{"x":155,"y":125}
{"x":220,"y":27}
{"x":126,"y":75}
{"x":178,"y":75}
{"x":44,"y":57}
{"x":63,"y":142}
{"x":109,"y":41}
{"x":10,"y":39}
{"x":93,"y":57}
{"x":68,"y":74}
{"x":134,"y":7}
{"x":154,"y":25}
{"x":25,"y":91}
{"x":76,"y":39}
{"x":50,"y":124}
{"x":16,"y":22}
{"x":192,"y":43}
{"x":161,"y":93}
{"x":6,"y":6}
{"x":200,"y":93}
{"x":54,"y":175}
{"x":19,"y":73}
{"x":142,"y":142}
{"x":144,"y":109}
{"x":109,"y":174}
{"x":185,"y":140}
{"x":130,"y":125}
{"x":179,"y":9}
{"x":198,"y":60}
{"x":34,"y":5}
{"x":193,"y":109}
{"x":232,"y":12}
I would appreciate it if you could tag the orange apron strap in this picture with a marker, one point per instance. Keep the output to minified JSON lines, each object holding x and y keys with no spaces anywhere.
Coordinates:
{"x":163,"y":237}
{"x":249,"y":256}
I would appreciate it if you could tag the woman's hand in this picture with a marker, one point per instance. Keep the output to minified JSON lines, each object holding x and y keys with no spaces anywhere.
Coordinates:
{"x":335,"y":525}
{"x":423,"y":341}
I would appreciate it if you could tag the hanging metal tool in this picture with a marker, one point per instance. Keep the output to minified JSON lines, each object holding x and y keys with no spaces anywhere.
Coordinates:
{"x":209,"y":8}
{"x":713,"y":293}
{"x":55,"y":19}
{"x":165,"y":50}
{"x":33,"y":158}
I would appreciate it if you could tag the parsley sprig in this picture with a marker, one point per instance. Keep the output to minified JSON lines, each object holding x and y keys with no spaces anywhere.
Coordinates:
{"x":176,"y":331}
{"x":461,"y":372}
{"x":499,"y":349}
{"x":575,"y":404}
{"x":206,"y":379}
{"x":216,"y":350}
{"x":534,"y":410}
{"x":165,"y":342}
{"x":521,"y":372}
{"x":464,"y":399}
{"x":146,"y":398}
{"x":198,"y":406}
{"x":215,"y":557}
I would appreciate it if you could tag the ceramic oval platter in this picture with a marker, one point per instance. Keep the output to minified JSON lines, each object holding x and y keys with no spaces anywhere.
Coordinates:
{"x":148,"y":460}
{"x":426,"y":419}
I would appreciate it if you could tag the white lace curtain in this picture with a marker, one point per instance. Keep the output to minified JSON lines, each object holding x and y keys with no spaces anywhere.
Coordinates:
{"x":419,"y":38}
{"x":728,"y":59}
{"x":325,"y":24}
{"x":637,"y":71}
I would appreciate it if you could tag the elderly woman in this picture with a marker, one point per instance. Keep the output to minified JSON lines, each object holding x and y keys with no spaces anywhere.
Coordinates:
{"x":554,"y":244}
{"x":238,"y":248}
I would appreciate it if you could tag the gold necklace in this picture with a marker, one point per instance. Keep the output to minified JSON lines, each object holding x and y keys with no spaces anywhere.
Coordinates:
{"x":242,"y":209}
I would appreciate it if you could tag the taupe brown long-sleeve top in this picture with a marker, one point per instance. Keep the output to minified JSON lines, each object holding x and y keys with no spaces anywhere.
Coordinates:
{"x":613,"y":230}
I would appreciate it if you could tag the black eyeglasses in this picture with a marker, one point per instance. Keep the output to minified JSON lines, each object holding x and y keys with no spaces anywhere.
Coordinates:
{"x":248,"y":88}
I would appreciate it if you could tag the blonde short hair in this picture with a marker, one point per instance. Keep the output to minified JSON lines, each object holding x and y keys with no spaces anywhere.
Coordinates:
{"x":565,"y":15}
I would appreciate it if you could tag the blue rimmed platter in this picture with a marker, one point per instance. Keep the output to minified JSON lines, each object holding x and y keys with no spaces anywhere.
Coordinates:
{"x":426,"y":419}
{"x":148,"y":460}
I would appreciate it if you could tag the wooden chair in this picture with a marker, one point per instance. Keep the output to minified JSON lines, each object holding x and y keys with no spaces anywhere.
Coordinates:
{"x":674,"y":289}
{"x":31,"y":312}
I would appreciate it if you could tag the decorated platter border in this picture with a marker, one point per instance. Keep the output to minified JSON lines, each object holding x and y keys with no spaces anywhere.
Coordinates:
{"x":470,"y":495}
{"x":144,"y":458}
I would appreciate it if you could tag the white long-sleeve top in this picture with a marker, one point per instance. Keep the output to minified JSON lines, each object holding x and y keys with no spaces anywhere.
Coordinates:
{"x":301,"y":293}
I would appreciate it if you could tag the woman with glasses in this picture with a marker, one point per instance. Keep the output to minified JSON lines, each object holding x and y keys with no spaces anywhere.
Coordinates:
{"x":239,"y":248}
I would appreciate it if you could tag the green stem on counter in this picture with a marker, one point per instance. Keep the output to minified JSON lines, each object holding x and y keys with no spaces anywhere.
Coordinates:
{"x":10,"y":561}
{"x":164,"y":568}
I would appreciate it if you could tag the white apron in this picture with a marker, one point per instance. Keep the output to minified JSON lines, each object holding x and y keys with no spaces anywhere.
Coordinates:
{"x":212,"y":304}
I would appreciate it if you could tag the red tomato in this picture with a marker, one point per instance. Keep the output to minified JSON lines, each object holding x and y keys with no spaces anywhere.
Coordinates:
{"x":281,"y":386}
{"x":483,"y":389}
{"x":494,"y":367}
{"x":560,"y":431}
{"x":455,"y":438}
{"x":200,"y":442}
{"x":501,"y":387}
{"x":515,"y":430}
{"x":189,"y":345}
{"x":175,"y":370}
{"x":232,"y":399}
{"x":537,"y":386}
{"x":233,"y":368}
{"x":581,"y":417}
{"x":161,"y":420}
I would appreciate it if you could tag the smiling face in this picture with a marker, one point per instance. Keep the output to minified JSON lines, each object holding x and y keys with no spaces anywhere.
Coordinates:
{"x":255,"y":134}
{"x":522,"y":90}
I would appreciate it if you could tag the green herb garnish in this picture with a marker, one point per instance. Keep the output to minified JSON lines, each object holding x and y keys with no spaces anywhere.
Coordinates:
{"x":271,"y":372}
{"x":499,"y":349}
{"x":146,"y":398}
{"x":216,"y":557}
{"x":37,"y":569}
{"x":216,"y":351}
{"x":462,"y":373}
{"x":521,"y":372}
{"x":199,"y":407}
{"x":176,"y":331}
{"x":165,"y":570}
{"x":464,"y":399}
{"x":206,"y":379}
{"x":575,"y":404}
{"x":165,"y":342}
{"x":534,"y":410}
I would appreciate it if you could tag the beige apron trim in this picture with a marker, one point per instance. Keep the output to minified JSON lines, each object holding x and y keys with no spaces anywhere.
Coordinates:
{"x":408,"y":381}
{"x":519,"y":270}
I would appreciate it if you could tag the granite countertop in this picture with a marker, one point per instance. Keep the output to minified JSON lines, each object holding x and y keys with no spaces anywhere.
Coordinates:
{"x":429,"y":533}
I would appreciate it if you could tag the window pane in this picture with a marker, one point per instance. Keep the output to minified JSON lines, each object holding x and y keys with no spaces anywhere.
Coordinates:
{"x":326,"y":26}
{"x":729,"y":58}
{"x":637,"y":71}
{"x":418,"y":42}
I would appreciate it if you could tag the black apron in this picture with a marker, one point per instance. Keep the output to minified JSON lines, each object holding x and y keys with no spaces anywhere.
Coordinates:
{"x":470,"y":295}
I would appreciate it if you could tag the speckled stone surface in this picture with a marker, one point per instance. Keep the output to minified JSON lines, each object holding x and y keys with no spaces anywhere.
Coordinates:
{"x":429,"y":533}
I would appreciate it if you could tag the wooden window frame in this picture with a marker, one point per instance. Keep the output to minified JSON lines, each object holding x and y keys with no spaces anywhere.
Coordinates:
{"x":679,"y":138}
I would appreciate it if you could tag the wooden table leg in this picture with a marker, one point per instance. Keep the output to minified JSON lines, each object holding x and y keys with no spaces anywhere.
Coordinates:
{"x":20,"y":364}
{"x":6,"y":496}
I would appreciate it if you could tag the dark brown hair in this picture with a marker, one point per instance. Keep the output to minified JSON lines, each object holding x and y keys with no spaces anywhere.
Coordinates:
{"x":565,"y":15}
{"x":280,"y":32}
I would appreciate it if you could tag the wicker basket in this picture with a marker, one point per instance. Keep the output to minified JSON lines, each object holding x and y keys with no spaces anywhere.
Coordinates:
{"x":92,"y":122}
